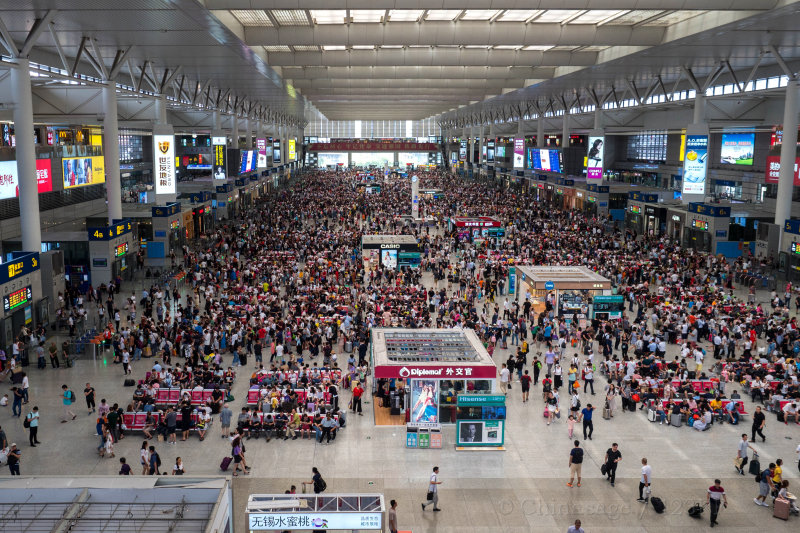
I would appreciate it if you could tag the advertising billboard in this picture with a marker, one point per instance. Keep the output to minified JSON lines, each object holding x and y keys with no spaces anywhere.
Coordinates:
{"x":9,"y":178}
{"x":594,"y":158}
{"x":462,"y":150}
{"x":291,"y":148}
{"x":519,"y":152}
{"x":83,"y":171}
{"x":220,"y":148}
{"x":276,"y":152}
{"x":490,"y":152}
{"x":164,"y":163}
{"x":774,"y":170}
{"x":261,"y":148}
{"x":737,"y":148}
{"x":500,"y":152}
{"x":695,"y":164}
{"x":425,"y":400}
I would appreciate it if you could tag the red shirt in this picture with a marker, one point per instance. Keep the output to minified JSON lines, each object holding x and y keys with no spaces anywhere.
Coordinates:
{"x":357,"y":392}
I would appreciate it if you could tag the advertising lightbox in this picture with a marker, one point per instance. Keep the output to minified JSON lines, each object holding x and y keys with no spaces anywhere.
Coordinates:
{"x":9,"y":178}
{"x":83,"y":171}
{"x":737,"y":148}
{"x":164,"y":163}
{"x":519,"y":152}
{"x":261,"y":148}
{"x":594,"y":158}
{"x":220,"y":172}
{"x":695,"y":164}
{"x":291,"y":148}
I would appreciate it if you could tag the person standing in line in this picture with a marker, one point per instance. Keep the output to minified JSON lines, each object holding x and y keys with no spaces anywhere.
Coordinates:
{"x":393,"y":516}
{"x":714,"y":495}
{"x":576,"y":528}
{"x":67,"y":399}
{"x":33,"y":428}
{"x":645,"y":481}
{"x":225,"y":416}
{"x":88,"y":392}
{"x":575,"y":463}
{"x":741,"y":454}
{"x":759,"y":422}
{"x":613,"y":457}
{"x":525,"y":382}
{"x":14,"y":455}
{"x":586,"y":416}
{"x":433,"y":490}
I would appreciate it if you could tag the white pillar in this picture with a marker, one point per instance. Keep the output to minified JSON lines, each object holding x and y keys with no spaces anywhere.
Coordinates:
{"x":783,"y":204}
{"x":235,"y":131}
{"x":217,"y":126}
{"x":700,"y":110}
{"x":565,"y":130}
{"x":111,"y":151}
{"x":161,"y":109}
{"x":480,"y":146}
{"x":26,"y":157}
{"x":540,"y":132}
{"x":599,"y":118}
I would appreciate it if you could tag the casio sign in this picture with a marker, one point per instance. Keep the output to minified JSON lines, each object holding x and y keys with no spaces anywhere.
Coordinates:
{"x":389,"y":246}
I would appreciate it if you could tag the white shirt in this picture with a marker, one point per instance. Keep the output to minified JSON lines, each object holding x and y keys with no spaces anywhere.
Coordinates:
{"x":504,"y":375}
{"x":647,"y":472}
{"x":432,"y":487}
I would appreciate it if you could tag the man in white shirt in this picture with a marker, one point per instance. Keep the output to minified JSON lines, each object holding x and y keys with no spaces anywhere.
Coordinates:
{"x":644,"y":482}
{"x":576,"y":528}
{"x":433,"y":490}
{"x":504,"y":375}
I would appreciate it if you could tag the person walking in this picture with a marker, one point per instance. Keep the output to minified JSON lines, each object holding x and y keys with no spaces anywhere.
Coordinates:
{"x":586,"y":417}
{"x":612,"y":459}
{"x":155,"y":461}
{"x":14,"y":455}
{"x":357,"y":393}
{"x":765,"y":486}
{"x":88,"y":393}
{"x":525,"y":382}
{"x":741,"y":454}
{"x":67,"y":399}
{"x":644,"y":482}
{"x":171,"y":420}
{"x":575,"y":463}
{"x":576,"y":528}
{"x":393,"y":516}
{"x":715,"y":496}
{"x":33,"y":426}
{"x":16,"y":406}
{"x":504,"y":377}
{"x":316,"y":482}
{"x":433,"y":490}
{"x":759,"y":423}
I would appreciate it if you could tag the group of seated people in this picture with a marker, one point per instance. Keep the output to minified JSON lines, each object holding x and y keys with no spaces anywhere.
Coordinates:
{"x":156,"y":423}
{"x":252,"y":423}
{"x":700,"y":411}
{"x":219,"y":381}
{"x":300,"y":377}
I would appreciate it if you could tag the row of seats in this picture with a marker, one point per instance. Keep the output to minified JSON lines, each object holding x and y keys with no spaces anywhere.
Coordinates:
{"x":136,"y":421}
{"x":254,"y":395}
{"x":172,"y":396}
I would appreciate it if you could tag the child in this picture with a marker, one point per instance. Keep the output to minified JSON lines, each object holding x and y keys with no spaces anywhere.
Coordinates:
{"x":125,"y":468}
{"x":4,"y":401}
{"x":570,"y":425}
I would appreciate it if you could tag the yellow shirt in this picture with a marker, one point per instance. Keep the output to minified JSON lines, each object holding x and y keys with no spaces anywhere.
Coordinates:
{"x":776,"y":477}
{"x":715,"y":404}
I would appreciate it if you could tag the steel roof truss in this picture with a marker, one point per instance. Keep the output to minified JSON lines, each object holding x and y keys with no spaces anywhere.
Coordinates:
{"x":36,"y":31}
{"x":792,"y":75}
{"x":119,"y":60}
{"x":59,"y":48}
{"x":98,"y":59}
{"x":6,"y":40}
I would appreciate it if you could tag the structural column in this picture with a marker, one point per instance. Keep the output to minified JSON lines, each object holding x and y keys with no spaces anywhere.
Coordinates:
{"x":540,"y":132}
{"x":565,"y":130}
{"x":111,"y":151}
{"x":235,"y":131}
{"x":26,"y":157}
{"x":161,"y":109}
{"x":217,"y":126}
{"x":783,"y":204}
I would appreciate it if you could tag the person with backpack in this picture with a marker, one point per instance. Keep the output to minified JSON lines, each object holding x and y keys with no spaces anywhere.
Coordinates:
{"x":67,"y":399}
{"x":765,"y":485}
{"x":32,"y":423}
{"x":317,"y":481}
{"x":155,"y":461}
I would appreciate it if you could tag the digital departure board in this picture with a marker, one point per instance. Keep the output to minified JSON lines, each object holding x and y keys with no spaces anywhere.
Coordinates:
{"x":17,"y":299}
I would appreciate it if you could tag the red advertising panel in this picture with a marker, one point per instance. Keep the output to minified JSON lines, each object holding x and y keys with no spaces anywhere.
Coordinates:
{"x":774,"y":169}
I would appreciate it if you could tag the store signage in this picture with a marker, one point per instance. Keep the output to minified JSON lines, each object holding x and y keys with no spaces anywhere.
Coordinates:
{"x":436,"y":371}
{"x":795,"y":248}
{"x":708,"y":210}
{"x":110,"y":232}
{"x":220,"y":148}
{"x":315,"y":521}
{"x":594,"y":158}
{"x":261,"y":148}
{"x":389,"y":246}
{"x":17,"y":298}
{"x":591,"y":199}
{"x":480,"y":399}
{"x":375,"y":146}
{"x":83,"y":171}
{"x":21,"y":263}
{"x":549,"y":285}
{"x":175,"y":224}
{"x":164,"y":163}
{"x":166,"y":210}
{"x":9,"y":178}
{"x":700,"y":224}
{"x":695,"y":164}
{"x":636,"y":209}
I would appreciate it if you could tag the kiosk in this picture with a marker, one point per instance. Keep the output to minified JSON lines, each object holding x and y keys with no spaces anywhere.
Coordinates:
{"x":426,"y":369}
{"x":390,"y":251}
{"x":166,"y":234}
{"x":21,"y":288}
{"x":112,"y":250}
{"x":476,"y":229}
{"x":564,"y":289}
{"x":480,"y":421}
{"x":312,"y":512}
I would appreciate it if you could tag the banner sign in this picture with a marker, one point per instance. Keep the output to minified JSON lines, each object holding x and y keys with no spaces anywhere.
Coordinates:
{"x":110,"y":232}
{"x":291,"y":150}
{"x":164,"y":163}
{"x":166,"y":210}
{"x":9,"y":178}
{"x":300,"y":521}
{"x":261,"y":148}
{"x":643,"y":197}
{"x":21,"y":264}
{"x":695,"y":164}
{"x":220,"y":149}
{"x":708,"y":210}
{"x":774,"y":170}
{"x":594,"y":159}
{"x":373,"y":146}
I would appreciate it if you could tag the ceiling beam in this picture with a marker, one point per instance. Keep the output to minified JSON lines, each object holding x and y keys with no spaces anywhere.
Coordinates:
{"x":502,"y":4}
{"x":36,"y":31}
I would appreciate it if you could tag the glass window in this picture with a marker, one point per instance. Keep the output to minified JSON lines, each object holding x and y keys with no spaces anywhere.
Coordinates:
{"x":479,"y":386}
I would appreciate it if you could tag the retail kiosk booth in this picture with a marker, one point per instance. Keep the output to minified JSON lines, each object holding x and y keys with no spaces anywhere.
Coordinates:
{"x":315,"y":512}
{"x":564,"y":289}
{"x":477,"y":229}
{"x":390,"y":251}
{"x":426,"y":370}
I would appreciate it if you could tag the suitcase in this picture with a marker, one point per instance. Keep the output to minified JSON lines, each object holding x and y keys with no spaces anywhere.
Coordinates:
{"x":243,"y":359}
{"x":676,"y":420}
{"x":781,"y":509}
{"x":652,"y":415}
{"x":755,"y":466}
{"x":348,"y":347}
{"x":226,"y":462}
{"x":606,"y":413}
{"x":658,"y":505}
{"x":129,"y":383}
{"x":632,"y":406}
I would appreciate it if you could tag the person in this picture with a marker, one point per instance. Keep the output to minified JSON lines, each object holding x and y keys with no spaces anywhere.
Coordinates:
{"x":777,"y":475}
{"x":357,"y":393}
{"x":784,"y":494}
{"x":791,"y":410}
{"x":433,"y":491}
{"x":177,"y":468}
{"x":33,"y":429}
{"x":612,"y":459}
{"x":570,"y":426}
{"x":124,"y":468}
{"x":586,"y":416}
{"x":3,"y":439}
{"x":67,"y":399}
{"x":714,"y":496}
{"x":225,"y":416}
{"x":576,"y":528}
{"x":144,"y":458}
{"x":171,"y":420}
{"x":393,"y":516}
{"x":525,"y":382}
{"x":88,"y":393}
{"x":316,"y":481}
{"x":16,"y":406}
{"x":759,"y":422}
{"x":504,"y":377}
{"x":645,"y":481}
{"x":765,"y":486}
{"x":14,"y":455}
{"x":326,"y":427}
{"x":155,"y":461}
{"x":741,"y":454}
{"x":575,"y":463}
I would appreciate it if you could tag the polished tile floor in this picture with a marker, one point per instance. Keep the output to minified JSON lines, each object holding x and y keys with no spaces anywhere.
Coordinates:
{"x":522,"y":489}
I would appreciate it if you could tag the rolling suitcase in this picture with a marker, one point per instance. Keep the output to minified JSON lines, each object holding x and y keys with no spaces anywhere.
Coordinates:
{"x":652,"y":415}
{"x":606,"y":413}
{"x":755,"y":465}
{"x":676,"y":421}
{"x":348,"y":347}
{"x":658,"y":504}
{"x":781,"y":509}
{"x":226,"y":462}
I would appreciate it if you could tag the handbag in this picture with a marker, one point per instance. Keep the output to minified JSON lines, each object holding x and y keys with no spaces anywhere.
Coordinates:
{"x":430,"y":495}
{"x":26,"y":423}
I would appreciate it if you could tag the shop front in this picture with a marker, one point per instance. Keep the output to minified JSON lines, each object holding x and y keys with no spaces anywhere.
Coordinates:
{"x":676,"y":221}
{"x":390,"y":251}
{"x":167,"y":234}
{"x":655,"y":221}
{"x":565,"y":290}
{"x":596,"y":200}
{"x":424,"y":371}
{"x":635,"y":214}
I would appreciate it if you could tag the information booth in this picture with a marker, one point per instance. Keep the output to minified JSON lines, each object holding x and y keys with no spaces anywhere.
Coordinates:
{"x":566,"y":290}
{"x":390,"y":251}
{"x":112,"y":251}
{"x":706,"y":225}
{"x":166,"y":236}
{"x":21,"y":290}
{"x":419,"y":374}
{"x":636,"y":216}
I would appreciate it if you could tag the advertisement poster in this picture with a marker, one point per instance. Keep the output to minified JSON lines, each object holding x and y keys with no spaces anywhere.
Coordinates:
{"x":261,"y":148}
{"x":470,"y":432}
{"x":774,"y":170}
{"x":594,"y":159}
{"x":544,"y":156}
{"x":292,"y":149}
{"x":389,"y":258}
{"x":424,"y":400}
{"x":276,"y":153}
{"x":220,"y":147}
{"x":695,"y":164}
{"x":737,"y":148}
{"x":490,"y":152}
{"x":462,"y":151}
{"x":9,"y":178}
{"x":519,"y":153}
{"x":164,"y":163}
{"x":82,"y":171}
{"x":500,"y":152}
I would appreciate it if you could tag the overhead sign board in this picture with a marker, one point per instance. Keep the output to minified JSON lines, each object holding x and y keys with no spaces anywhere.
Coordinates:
{"x":695,"y":164}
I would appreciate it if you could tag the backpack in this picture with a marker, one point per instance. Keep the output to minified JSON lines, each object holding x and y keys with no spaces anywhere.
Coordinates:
{"x":71,"y":396}
{"x":321,"y":486}
{"x":758,"y":477}
{"x":158,"y":460}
